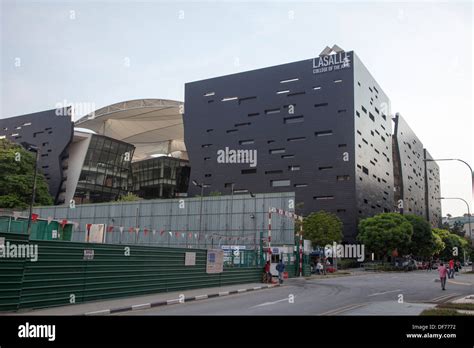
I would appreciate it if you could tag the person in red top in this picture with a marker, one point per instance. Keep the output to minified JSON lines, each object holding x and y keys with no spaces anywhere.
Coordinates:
{"x":267,"y":272}
{"x":451,"y":269}
{"x":442,"y":275}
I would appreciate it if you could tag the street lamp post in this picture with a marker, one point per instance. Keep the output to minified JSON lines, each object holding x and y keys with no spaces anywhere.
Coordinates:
{"x":254,"y":220}
{"x":472,"y":186}
{"x":459,"y":160}
{"x":202,"y":186}
{"x":468,"y":213}
{"x":32,"y":148}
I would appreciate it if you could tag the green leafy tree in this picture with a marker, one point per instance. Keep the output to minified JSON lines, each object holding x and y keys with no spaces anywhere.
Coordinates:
{"x":384,"y":233}
{"x":453,"y":243}
{"x":422,"y":240}
{"x":438,"y":244}
{"x":16,"y":178}
{"x":322,"y":228}
{"x":129,"y":197}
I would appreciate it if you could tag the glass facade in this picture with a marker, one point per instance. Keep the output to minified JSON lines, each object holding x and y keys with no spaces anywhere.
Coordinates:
{"x":105,"y":172}
{"x":161,"y":177}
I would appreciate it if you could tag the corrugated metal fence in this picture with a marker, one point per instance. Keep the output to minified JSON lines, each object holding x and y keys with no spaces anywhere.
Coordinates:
{"x":61,"y":276}
{"x":240,"y":217}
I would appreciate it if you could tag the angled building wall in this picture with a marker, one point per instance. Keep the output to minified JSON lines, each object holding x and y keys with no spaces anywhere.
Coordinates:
{"x":51,"y":131}
{"x":409,"y":168}
{"x":432,"y":191}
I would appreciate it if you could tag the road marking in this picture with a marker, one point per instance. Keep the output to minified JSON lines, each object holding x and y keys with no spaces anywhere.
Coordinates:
{"x":385,"y":292}
{"x":343,"y":309}
{"x":444,"y":297}
{"x":200,"y":297}
{"x":460,"y":283}
{"x":270,"y":303}
{"x":141,"y":306}
{"x":257,"y":288}
{"x":242,"y":290}
{"x":224,"y":293}
{"x":172,"y":301}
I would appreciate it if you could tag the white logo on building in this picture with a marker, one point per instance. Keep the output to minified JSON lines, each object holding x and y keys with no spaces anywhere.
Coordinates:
{"x":331,"y":59}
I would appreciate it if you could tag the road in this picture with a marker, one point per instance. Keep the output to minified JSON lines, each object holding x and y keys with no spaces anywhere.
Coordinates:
{"x":362,"y":294}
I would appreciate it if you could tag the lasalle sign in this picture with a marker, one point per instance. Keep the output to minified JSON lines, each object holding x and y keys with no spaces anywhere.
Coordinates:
{"x":331,"y":62}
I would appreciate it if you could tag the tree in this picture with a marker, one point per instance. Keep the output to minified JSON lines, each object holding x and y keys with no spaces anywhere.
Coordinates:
{"x":17,"y":167}
{"x":438,"y":244}
{"x":453,"y":244}
{"x":322,"y":228}
{"x":384,"y":233}
{"x":422,"y":240}
{"x":129,"y":197}
{"x":215,"y":194}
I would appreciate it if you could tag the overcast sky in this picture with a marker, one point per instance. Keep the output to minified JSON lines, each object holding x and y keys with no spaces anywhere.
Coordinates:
{"x":97,"y":53}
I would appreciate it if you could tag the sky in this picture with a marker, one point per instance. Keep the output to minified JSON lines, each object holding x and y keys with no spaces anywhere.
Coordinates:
{"x":95,"y":53}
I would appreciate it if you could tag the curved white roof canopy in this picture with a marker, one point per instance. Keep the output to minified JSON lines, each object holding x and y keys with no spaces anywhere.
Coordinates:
{"x":153,"y":125}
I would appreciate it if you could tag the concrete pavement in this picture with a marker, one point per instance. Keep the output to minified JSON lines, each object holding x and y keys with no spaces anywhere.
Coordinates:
{"x":363,"y":294}
{"x":139,"y":303}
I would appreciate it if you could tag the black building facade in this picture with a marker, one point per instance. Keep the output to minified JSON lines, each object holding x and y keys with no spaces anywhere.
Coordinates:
{"x":432,"y":191}
{"x":51,"y":131}
{"x":319,"y":127}
{"x":417,"y":182}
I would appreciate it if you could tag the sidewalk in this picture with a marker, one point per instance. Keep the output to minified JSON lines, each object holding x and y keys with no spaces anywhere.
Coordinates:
{"x":107,"y":307}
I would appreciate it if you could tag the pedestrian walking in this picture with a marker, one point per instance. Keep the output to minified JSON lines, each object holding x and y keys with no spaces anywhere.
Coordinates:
{"x":442,"y":275}
{"x":267,"y":272}
{"x":451,"y":269}
{"x":280,"y":268}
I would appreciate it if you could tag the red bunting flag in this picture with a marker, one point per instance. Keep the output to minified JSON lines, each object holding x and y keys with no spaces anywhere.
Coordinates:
{"x":110,"y":228}
{"x":88,"y":227}
{"x":161,"y":232}
{"x":176,"y":234}
{"x":34,"y":217}
{"x":190,"y":235}
{"x":145,"y":231}
{"x":130,"y":229}
{"x":63,"y":223}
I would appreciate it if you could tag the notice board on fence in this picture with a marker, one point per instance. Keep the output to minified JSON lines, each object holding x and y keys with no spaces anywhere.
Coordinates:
{"x":215,"y":261}
{"x":96,"y":233}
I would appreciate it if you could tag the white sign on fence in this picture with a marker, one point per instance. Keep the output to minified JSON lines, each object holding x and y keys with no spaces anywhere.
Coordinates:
{"x":190,"y":259}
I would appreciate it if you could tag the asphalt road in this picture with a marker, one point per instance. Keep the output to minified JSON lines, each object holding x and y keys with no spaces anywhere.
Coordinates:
{"x":362,"y":294}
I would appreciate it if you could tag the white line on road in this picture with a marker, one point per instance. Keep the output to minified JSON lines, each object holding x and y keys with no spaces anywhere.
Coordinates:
{"x":242,"y":290}
{"x":224,"y":293}
{"x":344,"y":309}
{"x":173,"y":301}
{"x":270,"y":303}
{"x":200,"y":297}
{"x":385,"y":292}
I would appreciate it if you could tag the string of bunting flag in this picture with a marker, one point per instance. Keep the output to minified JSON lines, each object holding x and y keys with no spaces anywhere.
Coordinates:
{"x":145,"y":230}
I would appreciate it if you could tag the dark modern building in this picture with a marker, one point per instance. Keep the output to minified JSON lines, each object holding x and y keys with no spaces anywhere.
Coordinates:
{"x":94,"y":165}
{"x":417,"y":182}
{"x":319,"y":127}
{"x":432,"y":191}
{"x":409,"y":174}
{"x":51,"y":132}
{"x":164,"y":177}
